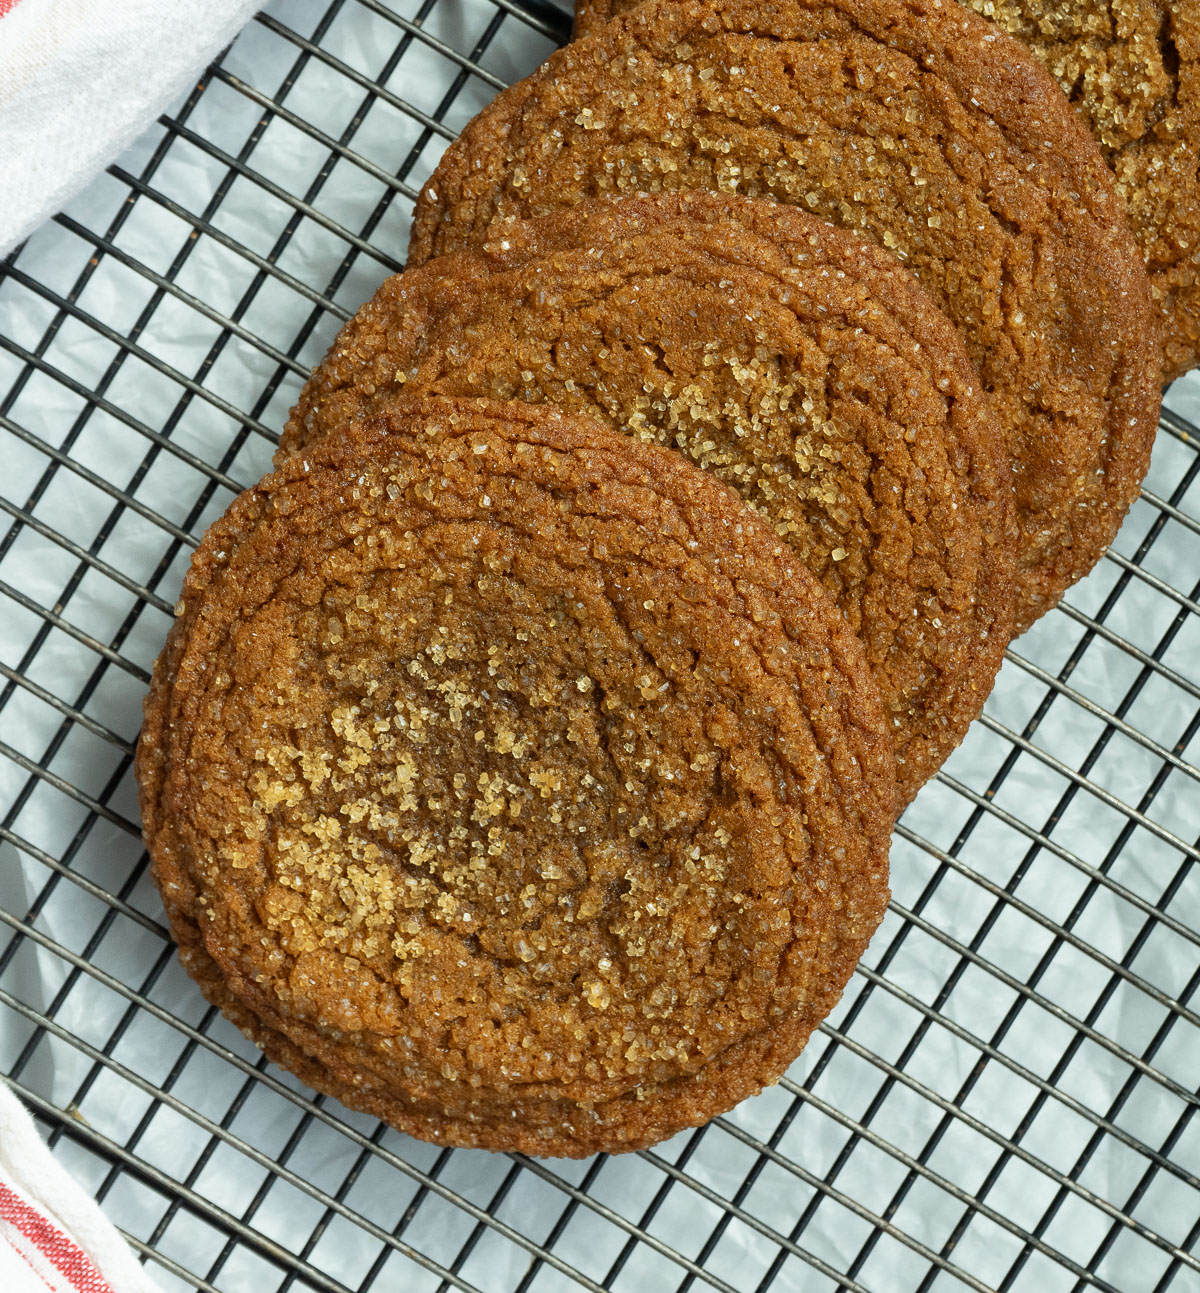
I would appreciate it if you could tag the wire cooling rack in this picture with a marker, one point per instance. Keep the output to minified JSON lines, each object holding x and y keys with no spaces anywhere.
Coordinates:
{"x":1004,"y":1098}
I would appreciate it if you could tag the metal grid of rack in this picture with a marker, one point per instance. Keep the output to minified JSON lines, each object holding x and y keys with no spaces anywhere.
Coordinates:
{"x":1005,"y":1097}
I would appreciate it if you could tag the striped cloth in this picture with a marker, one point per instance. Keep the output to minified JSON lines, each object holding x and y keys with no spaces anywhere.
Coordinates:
{"x":53,"y":1237}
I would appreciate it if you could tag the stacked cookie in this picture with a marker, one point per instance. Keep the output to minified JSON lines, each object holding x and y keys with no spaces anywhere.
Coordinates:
{"x":521,"y":765}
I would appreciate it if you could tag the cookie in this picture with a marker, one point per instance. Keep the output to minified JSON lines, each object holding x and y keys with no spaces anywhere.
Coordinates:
{"x":918,"y":124}
{"x":1133,"y":71}
{"x":512,"y":781}
{"x":798,"y":363}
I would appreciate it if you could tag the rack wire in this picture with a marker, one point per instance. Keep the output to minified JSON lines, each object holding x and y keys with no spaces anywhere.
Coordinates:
{"x":1005,"y":1098}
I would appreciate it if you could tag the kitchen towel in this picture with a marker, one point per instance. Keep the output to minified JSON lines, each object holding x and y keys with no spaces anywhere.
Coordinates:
{"x":81,"y":79}
{"x":53,"y":1236}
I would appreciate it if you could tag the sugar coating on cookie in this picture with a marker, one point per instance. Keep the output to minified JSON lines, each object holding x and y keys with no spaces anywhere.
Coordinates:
{"x":921,"y":126}
{"x":798,"y":363}
{"x":512,"y":781}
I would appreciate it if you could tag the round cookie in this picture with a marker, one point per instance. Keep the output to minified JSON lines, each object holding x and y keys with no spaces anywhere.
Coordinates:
{"x":799,"y":364}
{"x":918,"y":124}
{"x":1133,"y":71}
{"x":512,"y":781}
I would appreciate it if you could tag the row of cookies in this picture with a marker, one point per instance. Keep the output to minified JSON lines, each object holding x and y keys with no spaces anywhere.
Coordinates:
{"x":521,"y":765}
{"x":916,"y":124}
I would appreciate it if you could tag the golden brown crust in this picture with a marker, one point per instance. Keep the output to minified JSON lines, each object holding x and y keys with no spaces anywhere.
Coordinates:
{"x":918,"y":124}
{"x":1132,"y":69}
{"x":509,"y":779}
{"x":800,"y":364}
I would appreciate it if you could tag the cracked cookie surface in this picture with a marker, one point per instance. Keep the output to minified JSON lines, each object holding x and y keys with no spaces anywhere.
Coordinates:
{"x":922,"y":127}
{"x":798,"y":363}
{"x":512,"y":781}
{"x":1132,"y":69}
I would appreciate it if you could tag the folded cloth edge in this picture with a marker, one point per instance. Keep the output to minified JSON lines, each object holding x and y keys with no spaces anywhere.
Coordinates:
{"x":80,"y":80}
{"x":28,"y":1166}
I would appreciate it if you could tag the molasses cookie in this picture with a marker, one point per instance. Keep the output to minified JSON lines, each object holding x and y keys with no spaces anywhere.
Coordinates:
{"x":918,"y":124}
{"x":513,"y":781}
{"x":1133,"y":70}
{"x":798,"y":363}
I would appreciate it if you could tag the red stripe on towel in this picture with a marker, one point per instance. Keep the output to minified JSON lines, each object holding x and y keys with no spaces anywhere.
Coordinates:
{"x":63,"y":1254}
